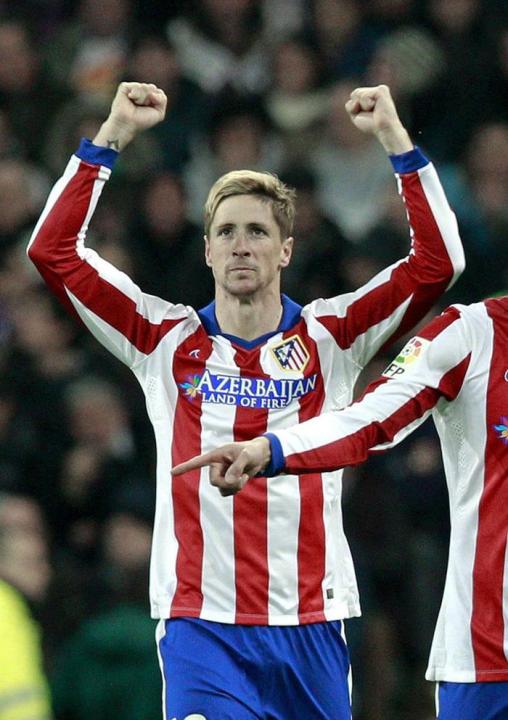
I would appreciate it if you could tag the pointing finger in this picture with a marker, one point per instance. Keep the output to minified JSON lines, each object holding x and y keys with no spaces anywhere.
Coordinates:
{"x":196,"y":462}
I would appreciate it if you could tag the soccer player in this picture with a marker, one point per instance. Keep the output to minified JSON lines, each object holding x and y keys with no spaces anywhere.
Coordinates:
{"x":456,"y":370}
{"x":251,"y":591}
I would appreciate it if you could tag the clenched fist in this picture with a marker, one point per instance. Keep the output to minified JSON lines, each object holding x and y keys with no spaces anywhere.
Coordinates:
{"x":135,"y":107}
{"x":373,"y":111}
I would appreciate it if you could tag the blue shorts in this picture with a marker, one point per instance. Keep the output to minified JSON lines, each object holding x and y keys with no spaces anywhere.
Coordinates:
{"x":472,"y":701}
{"x":215,"y":671}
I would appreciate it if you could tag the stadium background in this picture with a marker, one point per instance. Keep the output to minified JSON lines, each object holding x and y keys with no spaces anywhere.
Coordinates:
{"x":251,"y":83}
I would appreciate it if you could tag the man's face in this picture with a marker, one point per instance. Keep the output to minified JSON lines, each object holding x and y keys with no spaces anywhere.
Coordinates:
{"x":244,"y":248}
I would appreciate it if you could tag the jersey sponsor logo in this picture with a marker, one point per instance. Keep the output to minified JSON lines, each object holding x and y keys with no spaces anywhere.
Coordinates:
{"x":411,"y":352}
{"x":265,"y":393}
{"x":502,"y":429}
{"x":291,"y":354}
{"x":194,"y":716}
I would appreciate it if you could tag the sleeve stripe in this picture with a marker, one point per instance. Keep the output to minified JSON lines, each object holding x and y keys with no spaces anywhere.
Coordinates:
{"x":365,"y":312}
{"x":355,"y":448}
{"x":116,"y":309}
{"x":71,"y":270}
{"x":445,"y":220}
{"x":56,"y":191}
{"x":440,"y":323}
{"x":379,"y":435}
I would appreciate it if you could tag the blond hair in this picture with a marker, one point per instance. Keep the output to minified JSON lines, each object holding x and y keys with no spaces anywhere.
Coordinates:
{"x":264,"y":185}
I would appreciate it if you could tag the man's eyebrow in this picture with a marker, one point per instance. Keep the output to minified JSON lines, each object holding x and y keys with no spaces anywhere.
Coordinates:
{"x":256,"y":223}
{"x":251,"y":224}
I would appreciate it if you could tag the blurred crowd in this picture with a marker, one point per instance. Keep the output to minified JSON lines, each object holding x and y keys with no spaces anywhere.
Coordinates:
{"x":255,"y":84}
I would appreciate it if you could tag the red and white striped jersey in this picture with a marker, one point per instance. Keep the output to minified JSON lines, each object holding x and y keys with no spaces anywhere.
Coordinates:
{"x":276,"y":553}
{"x":456,"y":369}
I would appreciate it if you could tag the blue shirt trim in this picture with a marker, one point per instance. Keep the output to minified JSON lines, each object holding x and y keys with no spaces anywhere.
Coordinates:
{"x":277,"y":460}
{"x":291,"y":313}
{"x":95,"y":154}
{"x":409,"y":161}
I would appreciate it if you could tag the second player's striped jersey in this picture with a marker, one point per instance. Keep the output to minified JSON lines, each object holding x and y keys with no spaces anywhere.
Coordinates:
{"x":276,"y":553}
{"x":456,"y":368}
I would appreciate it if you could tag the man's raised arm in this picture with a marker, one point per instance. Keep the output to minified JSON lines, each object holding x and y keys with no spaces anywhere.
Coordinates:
{"x":126,"y":321}
{"x":394,"y":300}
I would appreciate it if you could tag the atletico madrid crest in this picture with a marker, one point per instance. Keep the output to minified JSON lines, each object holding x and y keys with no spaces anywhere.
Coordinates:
{"x":291,"y":354}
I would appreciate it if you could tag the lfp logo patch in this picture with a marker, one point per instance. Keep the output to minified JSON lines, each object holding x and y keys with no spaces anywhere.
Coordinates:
{"x":502,"y":430}
{"x":291,"y":354}
{"x":408,"y":355}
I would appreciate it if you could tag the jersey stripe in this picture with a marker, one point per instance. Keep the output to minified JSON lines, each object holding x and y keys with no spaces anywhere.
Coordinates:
{"x":444,"y":219}
{"x":311,"y":531}
{"x":218,"y":582}
{"x":188,"y":597}
{"x":487,"y":622}
{"x":44,"y":246}
{"x":251,"y":511}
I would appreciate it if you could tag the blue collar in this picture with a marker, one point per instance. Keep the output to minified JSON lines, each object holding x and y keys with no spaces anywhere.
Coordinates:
{"x":291,"y":313}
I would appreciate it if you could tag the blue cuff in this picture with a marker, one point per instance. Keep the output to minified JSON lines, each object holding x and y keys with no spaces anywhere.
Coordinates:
{"x":95,"y":154}
{"x":409,"y":161}
{"x":277,"y":462}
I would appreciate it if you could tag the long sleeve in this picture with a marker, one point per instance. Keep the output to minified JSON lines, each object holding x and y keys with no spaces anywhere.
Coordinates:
{"x":393,"y":301}
{"x":126,"y":321}
{"x":431,"y":367}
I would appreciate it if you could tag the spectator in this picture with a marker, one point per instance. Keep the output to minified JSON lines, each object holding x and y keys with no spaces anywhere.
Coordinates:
{"x":154,"y":60}
{"x":102,"y":455}
{"x":107,"y":669}
{"x":219,"y":45}
{"x":464,"y":82}
{"x":351,"y":171}
{"x":24,"y":576}
{"x":164,"y":238}
{"x":22,"y":188}
{"x":320,"y":248}
{"x":238,"y":136}
{"x":29,"y":94}
{"x":89,"y":53}
{"x":342,"y":36}
{"x":297,"y":101}
{"x":18,"y":440}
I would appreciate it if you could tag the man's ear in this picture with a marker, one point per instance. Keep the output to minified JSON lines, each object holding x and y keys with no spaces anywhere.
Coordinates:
{"x":208,"y":259}
{"x":286,"y":251}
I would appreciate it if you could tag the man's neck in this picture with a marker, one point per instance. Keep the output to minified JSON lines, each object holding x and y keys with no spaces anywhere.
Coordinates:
{"x":248,"y":318}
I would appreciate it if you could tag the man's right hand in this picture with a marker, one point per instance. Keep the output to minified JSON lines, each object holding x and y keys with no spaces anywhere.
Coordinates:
{"x":135,"y":107}
{"x":232,"y":465}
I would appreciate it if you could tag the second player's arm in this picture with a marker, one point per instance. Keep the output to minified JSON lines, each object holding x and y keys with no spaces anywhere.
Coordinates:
{"x":390,"y":409}
{"x":431,"y":367}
